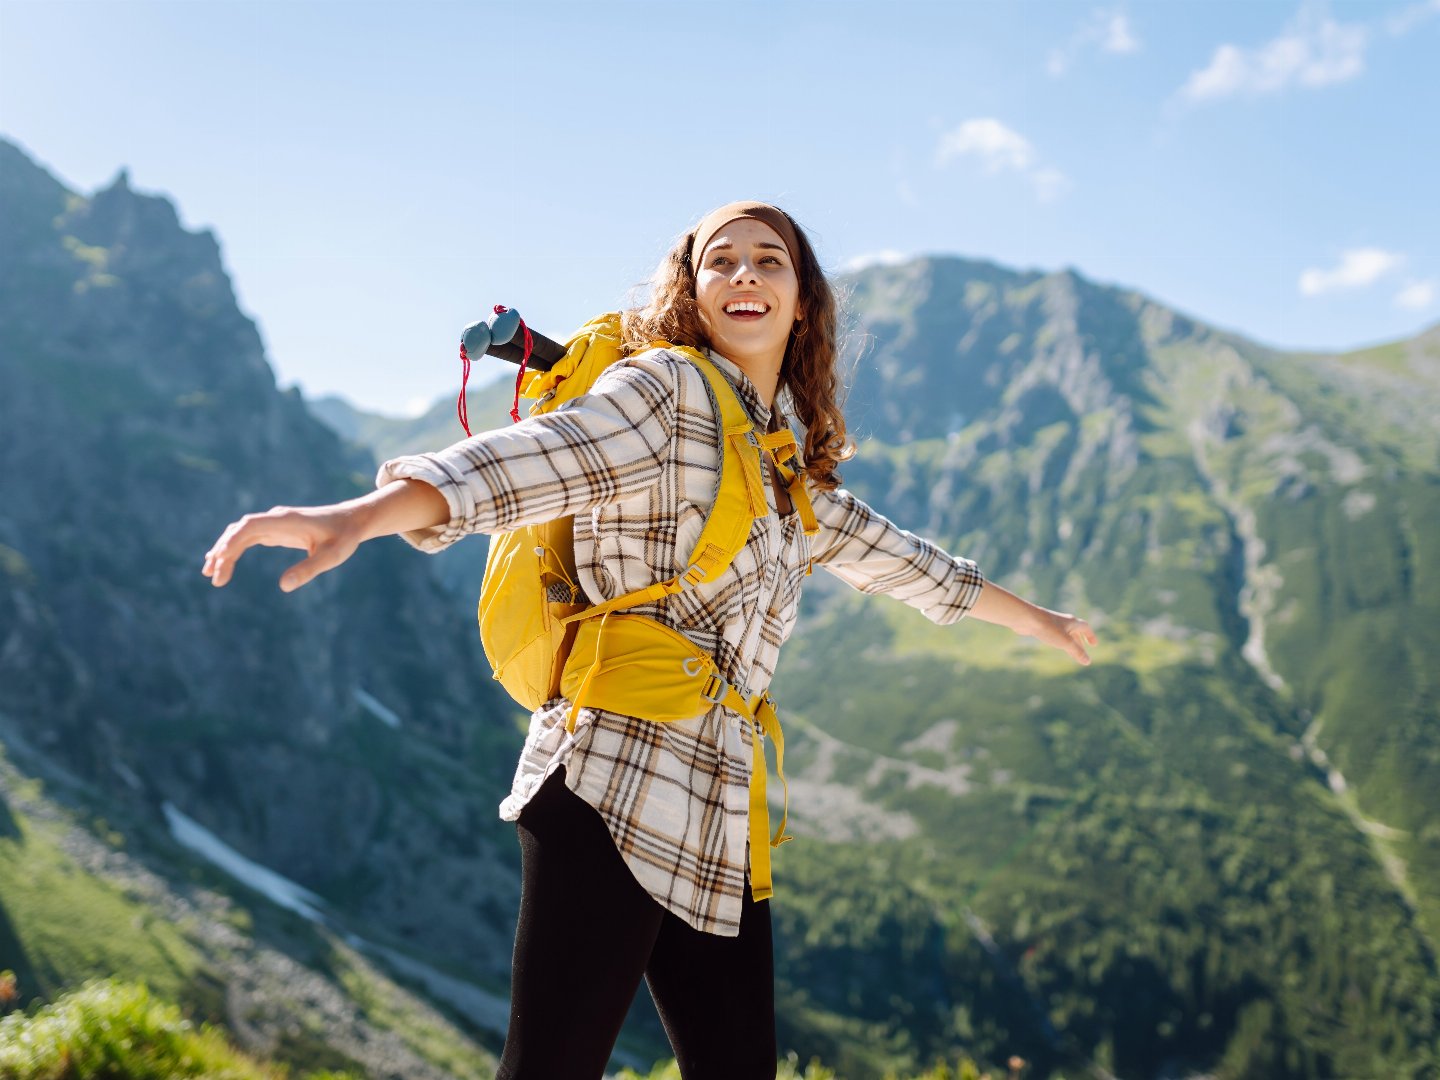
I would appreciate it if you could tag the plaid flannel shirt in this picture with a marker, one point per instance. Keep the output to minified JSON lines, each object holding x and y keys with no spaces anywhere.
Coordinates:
{"x":636,"y":461}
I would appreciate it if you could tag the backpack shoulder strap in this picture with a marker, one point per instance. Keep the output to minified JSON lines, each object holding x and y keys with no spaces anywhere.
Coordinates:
{"x":739,"y":497}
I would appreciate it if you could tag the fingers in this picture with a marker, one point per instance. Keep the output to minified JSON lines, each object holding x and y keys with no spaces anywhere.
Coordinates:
{"x":1074,"y":635}
{"x":326,"y":557}
{"x":279,"y":527}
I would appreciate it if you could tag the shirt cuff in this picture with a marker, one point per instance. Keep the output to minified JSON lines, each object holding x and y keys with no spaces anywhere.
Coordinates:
{"x":964,"y":592}
{"x":458,"y":491}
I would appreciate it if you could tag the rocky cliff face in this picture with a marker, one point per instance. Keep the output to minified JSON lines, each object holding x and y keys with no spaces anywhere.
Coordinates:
{"x":348,"y":736}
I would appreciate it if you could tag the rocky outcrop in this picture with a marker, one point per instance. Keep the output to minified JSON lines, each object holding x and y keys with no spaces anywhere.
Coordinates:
{"x":138,"y":416}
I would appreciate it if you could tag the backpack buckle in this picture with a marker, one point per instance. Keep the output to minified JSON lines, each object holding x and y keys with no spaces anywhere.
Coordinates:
{"x":720,"y":688}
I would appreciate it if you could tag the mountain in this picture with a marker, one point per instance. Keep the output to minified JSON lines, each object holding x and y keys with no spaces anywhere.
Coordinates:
{"x":347,"y":738}
{"x":1213,"y":849}
{"x":435,"y":428}
{"x":1210,"y":853}
{"x":461,"y":567}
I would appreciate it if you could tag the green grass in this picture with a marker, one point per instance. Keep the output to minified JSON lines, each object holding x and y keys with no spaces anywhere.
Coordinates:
{"x":60,"y":925}
{"x":384,"y":1007}
{"x":111,"y":1030}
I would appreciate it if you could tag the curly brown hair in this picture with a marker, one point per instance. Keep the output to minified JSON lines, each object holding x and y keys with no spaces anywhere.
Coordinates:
{"x":808,"y":374}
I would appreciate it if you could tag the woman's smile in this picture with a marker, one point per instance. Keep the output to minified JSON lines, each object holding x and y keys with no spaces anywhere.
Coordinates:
{"x":748,"y":295}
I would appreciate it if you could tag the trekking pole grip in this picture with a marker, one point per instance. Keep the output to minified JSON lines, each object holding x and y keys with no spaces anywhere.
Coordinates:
{"x":500,"y":336}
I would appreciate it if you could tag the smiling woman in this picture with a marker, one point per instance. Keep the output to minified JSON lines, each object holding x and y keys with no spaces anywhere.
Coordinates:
{"x":636,"y":823}
{"x":703,"y":270}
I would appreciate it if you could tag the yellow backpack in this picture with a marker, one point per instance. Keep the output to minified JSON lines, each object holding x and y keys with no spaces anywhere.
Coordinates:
{"x":544,"y":639}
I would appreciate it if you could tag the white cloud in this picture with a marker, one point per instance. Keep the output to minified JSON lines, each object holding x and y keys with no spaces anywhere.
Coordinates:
{"x":1418,"y":295}
{"x":1407,"y":18}
{"x":1107,"y":30}
{"x":1000,"y":149}
{"x":997,"y":146}
{"x":1358,"y":268}
{"x":1314,"y":50}
{"x":887,"y":257}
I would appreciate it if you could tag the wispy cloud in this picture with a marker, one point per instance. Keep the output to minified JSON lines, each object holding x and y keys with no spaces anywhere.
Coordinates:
{"x":887,"y":257}
{"x":1001,"y":149}
{"x":1359,"y":268}
{"x":1418,"y":295}
{"x":1401,"y":22}
{"x":1105,"y":29}
{"x":1312,"y":51}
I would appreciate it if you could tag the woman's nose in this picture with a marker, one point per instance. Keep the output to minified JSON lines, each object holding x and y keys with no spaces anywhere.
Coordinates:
{"x":744,"y":272}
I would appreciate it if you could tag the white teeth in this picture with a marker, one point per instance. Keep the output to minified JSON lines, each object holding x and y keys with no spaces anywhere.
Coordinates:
{"x":746,"y":305}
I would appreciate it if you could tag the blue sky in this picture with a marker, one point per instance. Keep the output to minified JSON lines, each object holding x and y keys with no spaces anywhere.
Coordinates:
{"x":380,"y":174}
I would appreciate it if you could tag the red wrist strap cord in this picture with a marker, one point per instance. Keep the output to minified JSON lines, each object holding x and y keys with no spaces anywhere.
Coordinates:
{"x":462,"y":407}
{"x":524,"y":363}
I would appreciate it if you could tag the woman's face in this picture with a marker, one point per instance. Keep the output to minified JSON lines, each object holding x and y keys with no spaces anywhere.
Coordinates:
{"x":748,"y":292}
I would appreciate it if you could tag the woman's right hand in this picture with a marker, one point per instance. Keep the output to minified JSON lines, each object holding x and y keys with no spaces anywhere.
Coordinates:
{"x":329,"y":534}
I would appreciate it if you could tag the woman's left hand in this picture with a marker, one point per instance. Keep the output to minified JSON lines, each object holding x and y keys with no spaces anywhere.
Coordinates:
{"x":1055,"y":628}
{"x":1064,"y":632}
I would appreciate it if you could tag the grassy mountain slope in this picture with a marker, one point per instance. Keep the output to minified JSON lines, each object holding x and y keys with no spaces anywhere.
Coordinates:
{"x":84,"y":897}
{"x":1210,"y":848}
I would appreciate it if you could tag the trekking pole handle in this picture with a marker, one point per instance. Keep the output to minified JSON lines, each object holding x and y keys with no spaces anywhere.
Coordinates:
{"x":498,"y":337}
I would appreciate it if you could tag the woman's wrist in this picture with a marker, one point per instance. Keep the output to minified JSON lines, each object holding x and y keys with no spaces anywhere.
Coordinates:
{"x":1004,"y":608}
{"x":400,"y":506}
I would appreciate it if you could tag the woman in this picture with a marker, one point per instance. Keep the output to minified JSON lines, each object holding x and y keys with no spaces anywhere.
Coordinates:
{"x":634,"y":834}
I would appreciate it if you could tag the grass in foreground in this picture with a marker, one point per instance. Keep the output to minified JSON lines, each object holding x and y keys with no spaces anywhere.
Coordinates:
{"x":119,"y":1031}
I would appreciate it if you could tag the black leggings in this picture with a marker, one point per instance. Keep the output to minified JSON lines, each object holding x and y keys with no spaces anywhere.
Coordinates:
{"x":586,"y":935}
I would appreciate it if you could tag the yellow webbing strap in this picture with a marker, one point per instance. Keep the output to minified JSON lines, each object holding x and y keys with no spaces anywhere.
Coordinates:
{"x":635,"y":666}
{"x":763,"y":721}
{"x":782,"y":449}
{"x":739,"y":500}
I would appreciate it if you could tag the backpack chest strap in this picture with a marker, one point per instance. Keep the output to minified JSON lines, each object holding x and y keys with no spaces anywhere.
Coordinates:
{"x":635,"y":666}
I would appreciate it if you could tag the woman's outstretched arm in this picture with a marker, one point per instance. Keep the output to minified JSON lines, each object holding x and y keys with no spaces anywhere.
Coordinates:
{"x":607,"y":445}
{"x":870,"y":553}
{"x":1057,"y":629}
{"x":329,"y":534}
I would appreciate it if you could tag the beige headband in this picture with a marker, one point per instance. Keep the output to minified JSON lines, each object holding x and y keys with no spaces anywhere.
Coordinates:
{"x":714,"y":221}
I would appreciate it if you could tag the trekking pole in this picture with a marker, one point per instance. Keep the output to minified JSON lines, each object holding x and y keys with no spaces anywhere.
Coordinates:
{"x":497,"y":336}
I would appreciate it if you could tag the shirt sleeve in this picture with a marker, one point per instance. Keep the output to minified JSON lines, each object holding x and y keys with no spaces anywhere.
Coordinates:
{"x":870,"y":553}
{"x":596,"y":449}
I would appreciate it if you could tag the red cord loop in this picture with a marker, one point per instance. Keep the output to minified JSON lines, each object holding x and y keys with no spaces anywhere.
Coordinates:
{"x":462,"y":408}
{"x":500,"y":309}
